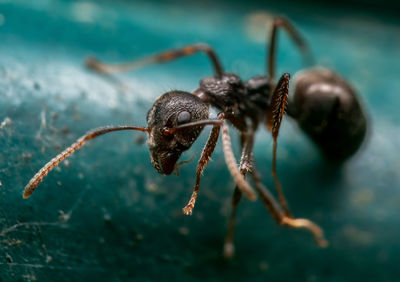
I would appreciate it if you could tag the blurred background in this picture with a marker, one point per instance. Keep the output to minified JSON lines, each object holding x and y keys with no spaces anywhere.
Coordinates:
{"x":107,"y":215}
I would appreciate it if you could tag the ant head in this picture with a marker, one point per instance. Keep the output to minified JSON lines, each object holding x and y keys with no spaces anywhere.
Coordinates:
{"x":169,"y":111}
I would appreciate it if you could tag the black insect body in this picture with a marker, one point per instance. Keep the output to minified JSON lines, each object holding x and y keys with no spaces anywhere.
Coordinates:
{"x":327,"y":108}
{"x":177,"y":118}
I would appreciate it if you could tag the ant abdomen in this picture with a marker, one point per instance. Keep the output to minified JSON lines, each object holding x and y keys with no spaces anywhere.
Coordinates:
{"x":327,"y":108}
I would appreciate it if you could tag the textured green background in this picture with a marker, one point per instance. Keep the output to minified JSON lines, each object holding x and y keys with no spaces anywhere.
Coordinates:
{"x":109,"y":216}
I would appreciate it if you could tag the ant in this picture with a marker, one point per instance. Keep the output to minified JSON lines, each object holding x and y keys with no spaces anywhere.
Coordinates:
{"x":177,"y":118}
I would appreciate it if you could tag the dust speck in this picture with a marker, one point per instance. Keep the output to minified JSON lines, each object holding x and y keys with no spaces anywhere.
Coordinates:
{"x":184,"y":231}
{"x":29,"y":277}
{"x":63,"y":217}
{"x":9,"y":258}
{"x":151,"y":187}
{"x":356,"y":235}
{"x":26,"y":156}
{"x":5,"y":122}
{"x":48,"y":259}
{"x":107,"y":217}
{"x":363,"y":197}
{"x":263,"y":266}
{"x":139,"y":237}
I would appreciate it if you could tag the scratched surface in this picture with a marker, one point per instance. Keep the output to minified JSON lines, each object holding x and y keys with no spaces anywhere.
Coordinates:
{"x":107,"y":215}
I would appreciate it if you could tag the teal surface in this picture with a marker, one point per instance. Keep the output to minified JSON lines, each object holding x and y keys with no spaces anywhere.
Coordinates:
{"x":107,"y":215}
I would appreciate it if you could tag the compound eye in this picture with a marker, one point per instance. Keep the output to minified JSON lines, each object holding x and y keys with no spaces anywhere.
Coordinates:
{"x":184,"y":117}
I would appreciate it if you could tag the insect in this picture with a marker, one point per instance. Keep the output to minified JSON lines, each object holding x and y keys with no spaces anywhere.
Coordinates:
{"x":177,"y":118}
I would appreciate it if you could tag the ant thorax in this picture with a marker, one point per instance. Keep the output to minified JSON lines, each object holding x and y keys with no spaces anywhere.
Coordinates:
{"x":237,"y":99}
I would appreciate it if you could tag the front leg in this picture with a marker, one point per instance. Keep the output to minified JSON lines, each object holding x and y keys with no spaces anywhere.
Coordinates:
{"x":205,"y":157}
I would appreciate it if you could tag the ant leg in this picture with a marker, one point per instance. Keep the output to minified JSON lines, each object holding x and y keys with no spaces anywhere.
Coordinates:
{"x":274,"y":118}
{"x":230,"y":160}
{"x":246,"y":161}
{"x":158,"y":58}
{"x":246,"y":164}
{"x":205,"y":157}
{"x":229,"y":247}
{"x":294,"y":35}
{"x":282,"y":219}
{"x":35,"y":181}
